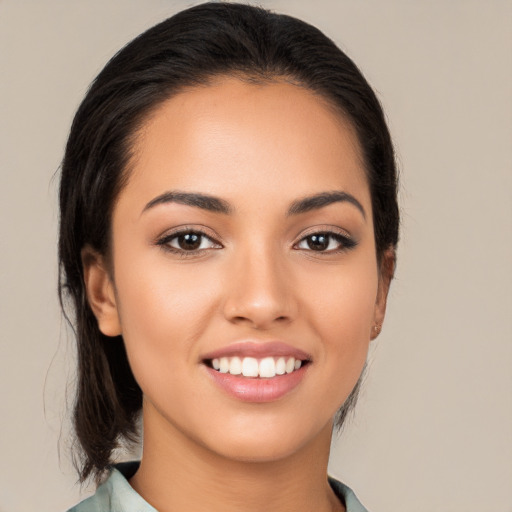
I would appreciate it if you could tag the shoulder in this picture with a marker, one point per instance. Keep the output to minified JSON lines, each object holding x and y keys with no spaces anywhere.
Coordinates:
{"x":115,"y":494}
{"x":347,"y":496}
{"x":99,"y":502}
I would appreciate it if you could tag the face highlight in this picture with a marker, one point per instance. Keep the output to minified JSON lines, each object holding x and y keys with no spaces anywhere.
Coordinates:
{"x":246,"y":283}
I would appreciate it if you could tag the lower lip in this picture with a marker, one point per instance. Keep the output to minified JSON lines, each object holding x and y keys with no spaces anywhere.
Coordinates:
{"x":260,"y":390}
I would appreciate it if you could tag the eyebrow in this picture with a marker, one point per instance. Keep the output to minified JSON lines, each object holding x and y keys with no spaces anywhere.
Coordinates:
{"x":318,"y":201}
{"x":217,"y":205}
{"x":203,"y":201}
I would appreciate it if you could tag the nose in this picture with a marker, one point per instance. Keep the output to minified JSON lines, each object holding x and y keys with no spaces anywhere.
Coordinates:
{"x":259,"y":291}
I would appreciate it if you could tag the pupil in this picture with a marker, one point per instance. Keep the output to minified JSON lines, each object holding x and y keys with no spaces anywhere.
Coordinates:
{"x":318,"y":242}
{"x":189,"y":241}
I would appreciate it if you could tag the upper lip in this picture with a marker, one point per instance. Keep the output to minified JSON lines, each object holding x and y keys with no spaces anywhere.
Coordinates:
{"x":258,"y":350}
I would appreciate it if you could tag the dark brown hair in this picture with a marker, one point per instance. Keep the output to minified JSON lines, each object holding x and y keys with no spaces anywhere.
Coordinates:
{"x":187,"y":49}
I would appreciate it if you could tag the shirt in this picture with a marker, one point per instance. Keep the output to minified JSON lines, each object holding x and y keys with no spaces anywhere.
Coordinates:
{"x":117,"y":495}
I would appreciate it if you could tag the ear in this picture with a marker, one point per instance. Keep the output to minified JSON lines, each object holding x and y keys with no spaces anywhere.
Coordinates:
{"x":100,"y":292}
{"x":386,"y":273}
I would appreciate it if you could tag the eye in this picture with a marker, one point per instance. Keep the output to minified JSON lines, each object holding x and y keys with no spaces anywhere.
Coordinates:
{"x":326,"y":242}
{"x":188,"y":241}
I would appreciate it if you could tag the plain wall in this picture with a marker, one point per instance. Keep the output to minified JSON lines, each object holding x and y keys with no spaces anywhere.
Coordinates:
{"x":433,"y":427}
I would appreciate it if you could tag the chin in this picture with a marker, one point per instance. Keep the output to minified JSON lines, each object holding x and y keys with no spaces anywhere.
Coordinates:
{"x":259,"y":453}
{"x":272,"y":443}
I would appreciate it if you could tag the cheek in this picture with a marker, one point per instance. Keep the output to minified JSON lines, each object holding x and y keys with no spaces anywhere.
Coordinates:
{"x":163,"y":311}
{"x":343,"y":297}
{"x":347,"y":309}
{"x":341,"y":311}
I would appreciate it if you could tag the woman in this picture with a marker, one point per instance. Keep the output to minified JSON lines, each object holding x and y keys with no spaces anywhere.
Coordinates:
{"x":227,"y":241}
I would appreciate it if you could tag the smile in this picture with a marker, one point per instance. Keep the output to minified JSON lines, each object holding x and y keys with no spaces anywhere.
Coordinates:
{"x":253,"y":371}
{"x":266,"y":368}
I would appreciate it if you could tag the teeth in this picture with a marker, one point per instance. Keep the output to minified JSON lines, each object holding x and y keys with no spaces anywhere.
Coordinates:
{"x":267,"y":367}
{"x":224,"y":365}
{"x":281,"y":366}
{"x":235,"y":367}
{"x":250,"y":367}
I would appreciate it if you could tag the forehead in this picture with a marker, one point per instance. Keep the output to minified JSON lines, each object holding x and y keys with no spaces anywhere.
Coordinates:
{"x":274,"y":141}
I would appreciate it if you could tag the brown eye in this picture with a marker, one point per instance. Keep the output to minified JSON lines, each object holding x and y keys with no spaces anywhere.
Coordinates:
{"x":327,"y":242}
{"x":189,"y":241}
{"x":318,"y":242}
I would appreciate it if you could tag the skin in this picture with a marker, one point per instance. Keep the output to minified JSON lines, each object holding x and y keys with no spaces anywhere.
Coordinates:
{"x":259,"y":147}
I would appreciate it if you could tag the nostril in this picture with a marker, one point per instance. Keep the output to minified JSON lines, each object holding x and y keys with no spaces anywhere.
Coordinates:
{"x":258,"y":311}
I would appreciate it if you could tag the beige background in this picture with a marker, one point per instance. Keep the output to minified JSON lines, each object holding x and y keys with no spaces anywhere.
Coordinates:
{"x":433,"y":428}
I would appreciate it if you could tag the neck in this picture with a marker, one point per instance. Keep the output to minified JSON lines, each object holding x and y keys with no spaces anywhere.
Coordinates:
{"x":178,"y":474}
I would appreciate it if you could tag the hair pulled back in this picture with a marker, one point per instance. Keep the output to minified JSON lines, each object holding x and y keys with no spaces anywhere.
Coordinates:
{"x":185,"y":50}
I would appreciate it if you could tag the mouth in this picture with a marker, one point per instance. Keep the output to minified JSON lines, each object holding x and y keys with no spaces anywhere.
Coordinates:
{"x":257,"y":372}
{"x":256,"y":368}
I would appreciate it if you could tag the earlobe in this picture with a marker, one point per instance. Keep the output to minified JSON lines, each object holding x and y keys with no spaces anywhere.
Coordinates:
{"x":100,"y":292}
{"x":386,"y":273}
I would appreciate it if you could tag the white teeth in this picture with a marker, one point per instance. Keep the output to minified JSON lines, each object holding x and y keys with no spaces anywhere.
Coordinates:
{"x":267,"y":367}
{"x":250,"y":367}
{"x":235,"y":367}
{"x":281,"y":366}
{"x":224,"y":365}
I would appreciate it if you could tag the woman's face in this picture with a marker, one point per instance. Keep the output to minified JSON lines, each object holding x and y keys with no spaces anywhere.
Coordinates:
{"x":243,"y":240}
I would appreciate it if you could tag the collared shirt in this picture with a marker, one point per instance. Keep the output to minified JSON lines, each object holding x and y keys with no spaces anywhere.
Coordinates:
{"x":117,"y":495}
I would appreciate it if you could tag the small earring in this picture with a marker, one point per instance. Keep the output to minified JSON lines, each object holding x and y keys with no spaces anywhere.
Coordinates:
{"x":377,"y":328}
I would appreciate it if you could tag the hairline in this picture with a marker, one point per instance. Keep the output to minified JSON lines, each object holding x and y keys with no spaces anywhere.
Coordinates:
{"x":251,"y":78}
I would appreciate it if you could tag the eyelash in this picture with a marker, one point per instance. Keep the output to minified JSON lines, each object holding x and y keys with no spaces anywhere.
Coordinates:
{"x":166,"y":240}
{"x":345,"y":242}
